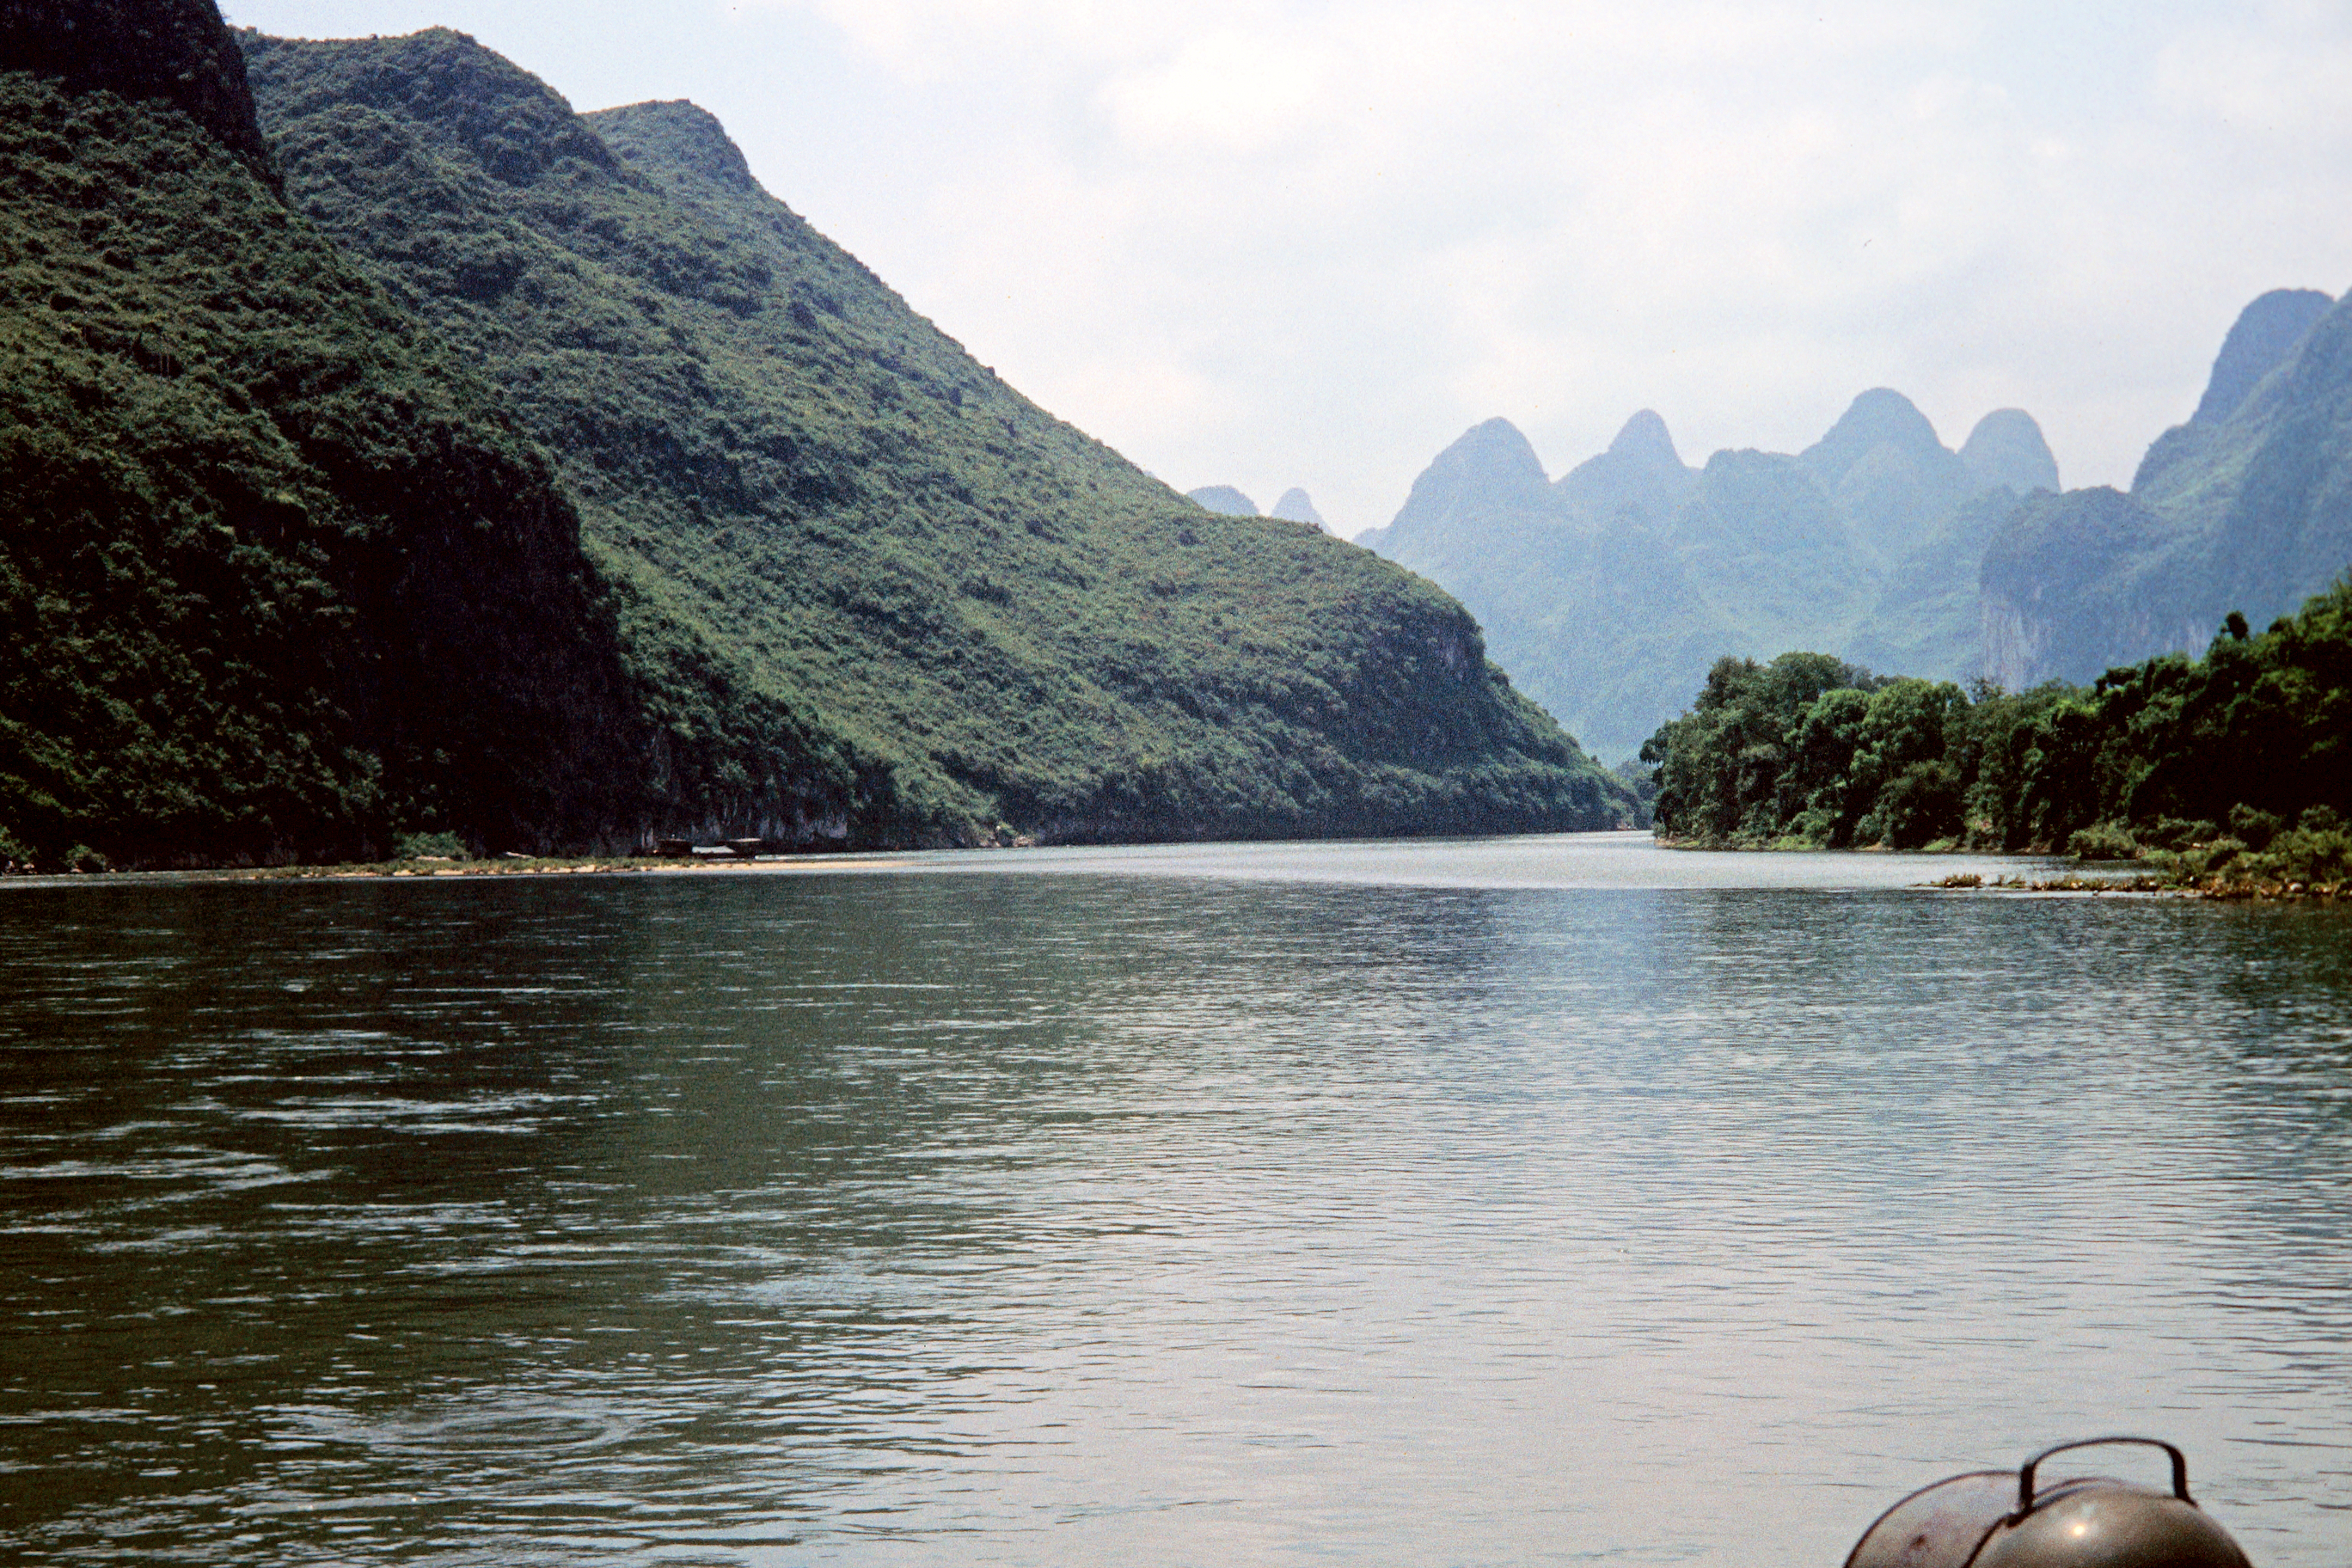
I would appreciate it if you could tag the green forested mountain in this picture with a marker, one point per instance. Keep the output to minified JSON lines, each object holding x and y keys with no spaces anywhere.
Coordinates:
{"x":2207,"y":760}
{"x":279,"y":576}
{"x":1609,"y":591}
{"x":2247,"y":507}
{"x":537,"y":478}
{"x":787,"y":471}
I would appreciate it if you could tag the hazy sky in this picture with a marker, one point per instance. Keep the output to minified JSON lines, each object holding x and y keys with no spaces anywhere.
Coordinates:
{"x":1298,"y":243}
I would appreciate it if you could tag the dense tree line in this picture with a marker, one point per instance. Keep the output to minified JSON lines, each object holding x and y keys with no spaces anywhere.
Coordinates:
{"x":2208,"y":764}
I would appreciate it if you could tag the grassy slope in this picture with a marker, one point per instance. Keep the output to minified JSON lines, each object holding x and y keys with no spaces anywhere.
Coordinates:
{"x":278,"y":578}
{"x":802,"y":490}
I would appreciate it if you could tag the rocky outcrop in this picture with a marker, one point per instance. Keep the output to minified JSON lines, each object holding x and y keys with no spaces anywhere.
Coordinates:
{"x":179,"y":51}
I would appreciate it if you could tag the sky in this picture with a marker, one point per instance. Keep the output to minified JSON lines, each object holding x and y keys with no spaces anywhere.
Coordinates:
{"x":1301,"y":243}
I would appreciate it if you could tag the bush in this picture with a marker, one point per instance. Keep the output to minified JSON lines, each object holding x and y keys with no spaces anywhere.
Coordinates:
{"x":2103,"y":841}
{"x":2256,"y":827}
{"x":2178,"y":832}
{"x":1921,"y":805}
{"x":429,"y":847}
{"x":2317,"y":849}
{"x":2153,"y":760}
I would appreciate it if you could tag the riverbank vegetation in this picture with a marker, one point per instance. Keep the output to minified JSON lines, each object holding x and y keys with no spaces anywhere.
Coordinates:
{"x":2222,"y":771}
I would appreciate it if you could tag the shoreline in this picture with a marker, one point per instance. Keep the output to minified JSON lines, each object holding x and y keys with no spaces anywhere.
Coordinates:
{"x":2120,"y":878}
{"x":430,"y":868}
{"x":2214,"y":889}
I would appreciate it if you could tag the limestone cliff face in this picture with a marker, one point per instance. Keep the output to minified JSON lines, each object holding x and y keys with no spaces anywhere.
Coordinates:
{"x":2246,"y":507}
{"x":2056,"y":601}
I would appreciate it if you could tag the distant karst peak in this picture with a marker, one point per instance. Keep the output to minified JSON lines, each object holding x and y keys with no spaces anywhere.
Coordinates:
{"x":1223,"y":498}
{"x":1491,"y":453}
{"x":1296,"y":506}
{"x":2006,"y":448}
{"x":2259,"y":340}
{"x":1647,"y":440}
{"x":1879,"y":417}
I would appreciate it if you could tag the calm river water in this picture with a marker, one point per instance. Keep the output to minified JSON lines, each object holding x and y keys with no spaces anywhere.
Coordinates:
{"x":1517,"y":1202}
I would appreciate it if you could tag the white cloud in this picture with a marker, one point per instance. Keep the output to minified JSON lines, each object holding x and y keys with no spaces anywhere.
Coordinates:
{"x":1289,"y":242}
{"x":2283,"y":73}
{"x":1226,"y":92}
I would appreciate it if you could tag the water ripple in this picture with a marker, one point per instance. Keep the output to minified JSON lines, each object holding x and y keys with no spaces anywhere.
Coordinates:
{"x":1507,"y":1202}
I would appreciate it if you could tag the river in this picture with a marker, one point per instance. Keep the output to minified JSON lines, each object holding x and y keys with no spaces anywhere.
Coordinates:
{"x":1509,"y":1202}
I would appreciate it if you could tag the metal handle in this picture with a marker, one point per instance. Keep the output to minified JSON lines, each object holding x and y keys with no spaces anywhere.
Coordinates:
{"x":2179,"y":1468}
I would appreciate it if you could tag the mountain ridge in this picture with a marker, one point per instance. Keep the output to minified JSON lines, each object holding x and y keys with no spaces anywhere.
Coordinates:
{"x":831,"y":581}
{"x":2245,"y":507}
{"x":1611,"y":590}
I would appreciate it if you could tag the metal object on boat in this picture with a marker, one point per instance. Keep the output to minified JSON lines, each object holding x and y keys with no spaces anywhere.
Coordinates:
{"x":1939,"y":1526}
{"x":1989,"y":1518}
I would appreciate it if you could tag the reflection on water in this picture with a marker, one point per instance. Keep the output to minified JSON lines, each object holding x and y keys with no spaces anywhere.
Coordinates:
{"x":1260,"y":1206}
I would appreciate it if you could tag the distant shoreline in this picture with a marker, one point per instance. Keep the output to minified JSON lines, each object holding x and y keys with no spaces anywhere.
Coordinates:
{"x":2216,"y":888}
{"x":550,"y":865}
{"x":2116,"y":880}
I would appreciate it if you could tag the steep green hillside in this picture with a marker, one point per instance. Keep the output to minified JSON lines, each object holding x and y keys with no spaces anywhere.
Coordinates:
{"x":172,"y":51}
{"x":1610,"y":592}
{"x":2247,"y":507}
{"x":802,"y":491}
{"x":278,"y":578}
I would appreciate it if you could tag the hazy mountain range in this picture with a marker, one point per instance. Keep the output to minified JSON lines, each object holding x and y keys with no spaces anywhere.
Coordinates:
{"x":387,"y":448}
{"x":1608,"y":592}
